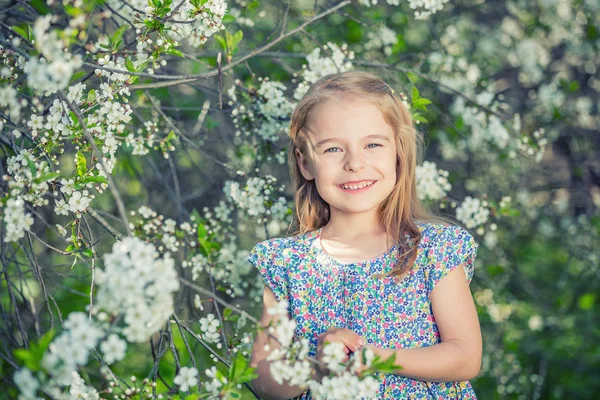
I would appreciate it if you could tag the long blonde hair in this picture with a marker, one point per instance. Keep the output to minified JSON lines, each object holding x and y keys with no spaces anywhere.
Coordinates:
{"x":399,"y":212}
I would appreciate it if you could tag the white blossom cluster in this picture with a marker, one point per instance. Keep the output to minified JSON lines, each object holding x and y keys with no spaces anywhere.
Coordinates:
{"x":16,"y":219}
{"x":483,"y":128}
{"x":473,"y":212}
{"x":209,"y":326}
{"x":432,"y":183}
{"x":27,"y":384}
{"x":333,"y":356}
{"x":257,"y":198}
{"x":535,"y":146}
{"x":345,"y":386}
{"x":423,"y":8}
{"x":268,"y":116}
{"x":164,"y":231}
{"x":71,"y":348}
{"x":199,"y":25}
{"x":77,"y":203}
{"x":186,"y":378}
{"x":215,"y":382}
{"x":289,"y":363}
{"x":113,"y":349}
{"x":140,"y":284}
{"x":239,"y":19}
{"x":10,"y":102}
{"x":229,"y":267}
{"x":26,"y":177}
{"x":533,"y":59}
{"x":383,"y":38}
{"x":52,"y":71}
{"x":275,"y":107}
{"x":498,"y":313}
{"x":79,"y":390}
{"x":288,"y":360}
{"x":336,"y":59}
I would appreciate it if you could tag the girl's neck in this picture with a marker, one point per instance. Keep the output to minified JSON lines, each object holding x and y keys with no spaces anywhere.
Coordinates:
{"x":350,"y":227}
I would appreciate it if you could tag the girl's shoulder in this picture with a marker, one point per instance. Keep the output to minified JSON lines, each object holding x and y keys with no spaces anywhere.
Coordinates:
{"x":283,"y":247}
{"x":444,"y":248}
{"x":438,"y":233}
{"x":273,"y":258}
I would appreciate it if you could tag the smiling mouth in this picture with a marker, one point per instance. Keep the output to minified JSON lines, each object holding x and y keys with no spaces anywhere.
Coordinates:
{"x":357,"y":186}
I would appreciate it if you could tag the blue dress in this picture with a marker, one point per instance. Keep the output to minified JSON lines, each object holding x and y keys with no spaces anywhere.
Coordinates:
{"x":324,"y":293}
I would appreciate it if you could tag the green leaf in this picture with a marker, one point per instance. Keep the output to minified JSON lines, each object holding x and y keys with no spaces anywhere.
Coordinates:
{"x":175,"y":52}
{"x":129,"y":65}
{"x":415,"y":93}
{"x":201,"y":231}
{"x":421,"y":102}
{"x":21,"y":32}
{"x":237,"y":37}
{"x":587,"y":301}
{"x":91,"y":97}
{"x":77,"y":76}
{"x":31,"y":166}
{"x":228,"y":19}
{"x":419,"y":118}
{"x":81,"y":166}
{"x":40,"y":6}
{"x":32,"y":358}
{"x":229,"y":39}
{"x":412,"y":77}
{"x":221,"y":41}
{"x":88,"y":253}
{"x":48,"y":177}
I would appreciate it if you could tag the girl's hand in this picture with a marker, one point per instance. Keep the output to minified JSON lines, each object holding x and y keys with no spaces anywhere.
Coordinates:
{"x":350,"y":339}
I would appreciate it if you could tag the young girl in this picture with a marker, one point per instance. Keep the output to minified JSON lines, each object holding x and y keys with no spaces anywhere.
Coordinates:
{"x":369,"y":263}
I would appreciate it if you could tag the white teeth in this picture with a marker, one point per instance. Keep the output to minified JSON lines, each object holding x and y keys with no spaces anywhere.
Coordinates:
{"x":356,"y":187}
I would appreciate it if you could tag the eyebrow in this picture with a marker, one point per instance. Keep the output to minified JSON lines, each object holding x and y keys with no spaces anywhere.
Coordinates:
{"x":375,"y":136}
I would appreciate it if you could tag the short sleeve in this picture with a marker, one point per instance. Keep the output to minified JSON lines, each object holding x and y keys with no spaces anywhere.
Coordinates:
{"x":453,"y":247}
{"x":263,"y":257}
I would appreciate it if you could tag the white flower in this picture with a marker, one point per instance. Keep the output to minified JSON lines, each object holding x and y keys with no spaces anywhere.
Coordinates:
{"x":113,"y":349}
{"x":186,"y":378}
{"x":472,"y":212}
{"x":27,"y":383}
{"x":333,"y":356}
{"x":61,"y":207}
{"x":281,"y":308}
{"x":432,"y":183}
{"x":536,"y":323}
{"x":209,"y":327}
{"x":79,"y":390}
{"x":79,"y":202}
{"x":138,"y":283}
{"x":16,"y":219}
{"x":68,"y":186}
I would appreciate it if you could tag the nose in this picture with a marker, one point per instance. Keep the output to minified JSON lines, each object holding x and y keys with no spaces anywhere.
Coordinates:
{"x":354,"y":161}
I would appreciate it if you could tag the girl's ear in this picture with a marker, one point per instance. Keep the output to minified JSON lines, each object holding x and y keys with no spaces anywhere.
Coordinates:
{"x":304,"y":165}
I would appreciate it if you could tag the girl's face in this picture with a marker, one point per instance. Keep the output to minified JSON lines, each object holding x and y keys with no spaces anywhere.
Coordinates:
{"x":351,"y":154}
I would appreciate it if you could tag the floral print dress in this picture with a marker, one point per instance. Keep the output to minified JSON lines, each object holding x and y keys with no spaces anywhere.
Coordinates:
{"x":323,"y":292}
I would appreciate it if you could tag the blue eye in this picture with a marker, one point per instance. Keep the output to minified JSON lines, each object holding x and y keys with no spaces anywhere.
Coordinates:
{"x":331,"y":148}
{"x":375,"y":144}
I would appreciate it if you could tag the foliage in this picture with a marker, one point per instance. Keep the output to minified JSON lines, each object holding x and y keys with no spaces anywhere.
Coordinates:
{"x":130,"y":138}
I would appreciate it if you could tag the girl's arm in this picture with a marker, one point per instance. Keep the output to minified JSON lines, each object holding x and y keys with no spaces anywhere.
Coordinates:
{"x":458,"y":357}
{"x":266,"y":387}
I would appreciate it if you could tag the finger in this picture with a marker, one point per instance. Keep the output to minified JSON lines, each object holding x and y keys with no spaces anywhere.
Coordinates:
{"x":351,"y":339}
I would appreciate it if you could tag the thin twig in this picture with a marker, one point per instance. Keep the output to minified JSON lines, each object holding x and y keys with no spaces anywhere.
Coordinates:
{"x":96,"y":152}
{"x":172,"y":80}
